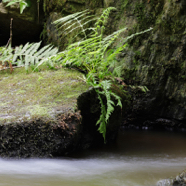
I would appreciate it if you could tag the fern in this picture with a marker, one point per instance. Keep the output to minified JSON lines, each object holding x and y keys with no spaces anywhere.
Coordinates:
{"x":103,"y":90}
{"x":101,"y":121}
{"x":89,"y":55}
{"x":102,"y":20}
{"x":109,"y":108}
{"x":81,"y":19}
{"x":28,"y":54}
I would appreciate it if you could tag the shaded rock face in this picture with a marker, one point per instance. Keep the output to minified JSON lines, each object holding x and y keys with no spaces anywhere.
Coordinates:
{"x":156,"y":59}
{"x":41,"y":138}
{"x":89,"y":105}
{"x":71,"y":6}
{"x":26,"y":27}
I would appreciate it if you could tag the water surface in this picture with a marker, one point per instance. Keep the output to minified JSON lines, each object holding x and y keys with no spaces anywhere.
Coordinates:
{"x":138,"y":158}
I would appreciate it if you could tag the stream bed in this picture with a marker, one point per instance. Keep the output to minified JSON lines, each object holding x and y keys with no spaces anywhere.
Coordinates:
{"x":138,"y":158}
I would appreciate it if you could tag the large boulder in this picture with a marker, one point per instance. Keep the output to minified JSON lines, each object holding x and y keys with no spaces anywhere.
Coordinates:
{"x":38,"y":114}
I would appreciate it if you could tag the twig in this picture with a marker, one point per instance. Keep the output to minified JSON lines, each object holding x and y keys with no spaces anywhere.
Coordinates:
{"x":4,"y":68}
{"x":10,"y":43}
{"x":38,"y":10}
{"x":10,"y":39}
{"x":11,"y":31}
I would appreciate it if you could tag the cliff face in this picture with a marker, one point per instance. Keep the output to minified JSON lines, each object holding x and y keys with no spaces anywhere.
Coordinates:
{"x":156,"y":59}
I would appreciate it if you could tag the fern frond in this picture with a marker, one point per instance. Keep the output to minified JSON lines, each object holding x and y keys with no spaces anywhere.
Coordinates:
{"x":105,"y":15}
{"x":110,"y":104}
{"x":70,"y":17}
{"x":107,"y":41}
{"x":117,"y":71}
{"x":72,"y":20}
{"x":22,"y":3}
{"x":101,"y":122}
{"x":6,"y":54}
{"x":117,"y":98}
{"x":75,"y":22}
{"x":139,"y":33}
{"x":28,"y":54}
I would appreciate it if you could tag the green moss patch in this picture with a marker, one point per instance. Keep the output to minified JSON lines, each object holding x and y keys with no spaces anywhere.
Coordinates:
{"x":27,"y":96}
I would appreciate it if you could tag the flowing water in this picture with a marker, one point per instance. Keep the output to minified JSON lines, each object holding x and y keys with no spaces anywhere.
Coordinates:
{"x":139,"y":158}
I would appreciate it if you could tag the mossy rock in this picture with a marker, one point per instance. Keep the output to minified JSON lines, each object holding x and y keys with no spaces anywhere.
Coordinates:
{"x":50,"y":113}
{"x":70,"y":6}
{"x":38,"y":114}
{"x":155,"y":59}
{"x":42,"y":94}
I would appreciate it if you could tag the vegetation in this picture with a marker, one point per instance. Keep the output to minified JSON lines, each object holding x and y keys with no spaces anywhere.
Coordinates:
{"x":22,"y":4}
{"x":90,"y":55}
{"x":27,"y":55}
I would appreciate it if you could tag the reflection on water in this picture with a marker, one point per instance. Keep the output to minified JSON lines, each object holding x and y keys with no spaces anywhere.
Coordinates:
{"x":137,"y":159}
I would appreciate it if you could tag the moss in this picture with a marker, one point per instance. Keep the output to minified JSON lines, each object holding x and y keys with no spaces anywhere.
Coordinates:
{"x":38,"y":94}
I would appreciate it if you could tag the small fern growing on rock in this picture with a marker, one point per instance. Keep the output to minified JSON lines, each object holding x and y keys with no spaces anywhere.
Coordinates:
{"x":89,"y":55}
{"x":27,"y":55}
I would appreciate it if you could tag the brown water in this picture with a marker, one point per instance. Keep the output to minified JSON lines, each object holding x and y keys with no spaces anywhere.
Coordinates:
{"x":139,"y":158}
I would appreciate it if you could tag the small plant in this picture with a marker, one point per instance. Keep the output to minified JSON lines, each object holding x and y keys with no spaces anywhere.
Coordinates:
{"x":22,"y":4}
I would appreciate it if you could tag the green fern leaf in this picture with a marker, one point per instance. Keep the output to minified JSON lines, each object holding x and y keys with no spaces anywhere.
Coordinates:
{"x":29,"y":54}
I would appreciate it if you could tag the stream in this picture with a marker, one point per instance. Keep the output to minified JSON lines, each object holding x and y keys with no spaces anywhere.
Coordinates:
{"x":138,"y":158}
